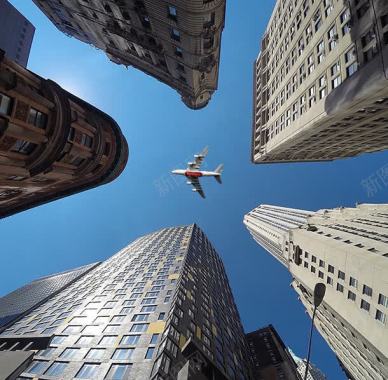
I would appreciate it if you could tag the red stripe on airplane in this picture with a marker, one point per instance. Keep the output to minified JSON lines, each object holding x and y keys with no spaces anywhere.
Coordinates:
{"x":193,"y":174}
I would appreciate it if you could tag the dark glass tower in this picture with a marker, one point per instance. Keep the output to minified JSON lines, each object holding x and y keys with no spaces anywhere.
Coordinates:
{"x":160,"y":308}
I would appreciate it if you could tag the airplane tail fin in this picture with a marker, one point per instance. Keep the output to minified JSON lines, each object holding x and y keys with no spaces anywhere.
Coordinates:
{"x":219,"y":170}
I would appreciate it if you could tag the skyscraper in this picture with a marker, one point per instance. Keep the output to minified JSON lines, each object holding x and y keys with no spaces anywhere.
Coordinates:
{"x":271,"y":358}
{"x":159,"y":307}
{"x":313,"y":374}
{"x":16,"y":33}
{"x":177,"y":42}
{"x":320,"y":81}
{"x":52,"y":144}
{"x":28,"y":297}
{"x":347,"y":249}
{"x":269,"y":225}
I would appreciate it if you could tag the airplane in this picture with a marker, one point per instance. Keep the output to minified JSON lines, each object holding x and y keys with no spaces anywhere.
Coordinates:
{"x":193,"y":174}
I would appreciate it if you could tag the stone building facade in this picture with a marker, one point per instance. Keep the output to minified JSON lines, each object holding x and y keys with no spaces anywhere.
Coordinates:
{"x":160,"y":307}
{"x":346,"y":249}
{"x":52,"y":144}
{"x":178,"y":41}
{"x":320,"y":81}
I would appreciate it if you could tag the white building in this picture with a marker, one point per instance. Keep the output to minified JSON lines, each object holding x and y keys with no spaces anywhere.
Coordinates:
{"x":320,"y":81}
{"x":347,"y":249}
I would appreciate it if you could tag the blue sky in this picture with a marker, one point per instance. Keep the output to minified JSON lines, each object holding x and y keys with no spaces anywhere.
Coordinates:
{"x":163,"y":134}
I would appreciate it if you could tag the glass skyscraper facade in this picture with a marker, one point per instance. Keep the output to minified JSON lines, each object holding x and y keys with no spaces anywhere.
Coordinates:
{"x":136,"y":315}
{"x":18,"y":302}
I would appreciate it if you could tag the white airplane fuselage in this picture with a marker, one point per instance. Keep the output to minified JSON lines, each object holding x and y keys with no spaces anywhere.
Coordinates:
{"x":195,"y":173}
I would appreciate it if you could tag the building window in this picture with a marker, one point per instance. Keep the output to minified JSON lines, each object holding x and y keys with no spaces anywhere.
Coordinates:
{"x":72,"y":329}
{"x":37,"y":118}
{"x":139,"y":327}
{"x":317,"y":20}
{"x":321,"y":263}
{"x":108,"y":340}
{"x":47,"y":352}
{"x":148,"y":301}
{"x":351,"y":296}
{"x":329,"y":280}
{"x":118,"y":371}
{"x":118,"y":318}
{"x":383,"y":300}
{"x":58,"y":339}
{"x":150,"y":353}
{"x":112,"y":328}
{"x":341,"y":275}
{"x":88,"y":371}
{"x":5,"y":104}
{"x":320,"y":274}
{"x":123,"y":353}
{"x":380,"y":316}
{"x":140,"y":317}
{"x":37,"y":367}
{"x":85,"y":340}
{"x":95,"y":353}
{"x":70,"y":353}
{"x":332,"y":37}
{"x":56,"y":369}
{"x":172,"y":12}
{"x":130,"y":340}
{"x":351,"y":69}
{"x":328,"y":7}
{"x":330,"y":268}
{"x":126,"y":310}
{"x":340,"y":288}
{"x":178,"y":51}
{"x":145,"y":20}
{"x":24,"y":147}
{"x":367,"y":290}
{"x":353,"y":282}
{"x":154,"y":338}
{"x":148,"y":309}
{"x":312,"y":269}
{"x":175,"y":34}
{"x":350,"y":55}
{"x":311,"y":96}
{"x":365,"y":305}
{"x":86,"y":140}
{"x":321,"y":51}
{"x":71,"y":134}
{"x":163,"y":363}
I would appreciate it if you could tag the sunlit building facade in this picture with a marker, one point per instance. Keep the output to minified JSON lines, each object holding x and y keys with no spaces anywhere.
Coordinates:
{"x":52,"y":144}
{"x":177,"y":42}
{"x":346,"y":249}
{"x":320,"y":81}
{"x":153,"y":310}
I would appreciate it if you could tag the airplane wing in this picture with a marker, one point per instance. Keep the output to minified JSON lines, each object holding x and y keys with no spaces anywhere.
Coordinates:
{"x":197,"y":186}
{"x":198,"y":159}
